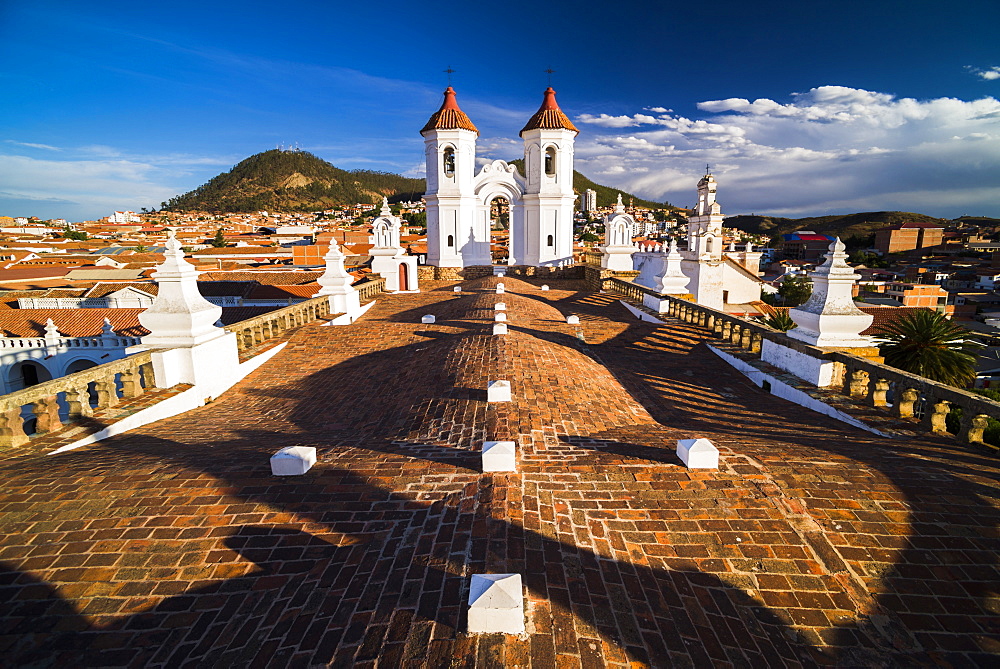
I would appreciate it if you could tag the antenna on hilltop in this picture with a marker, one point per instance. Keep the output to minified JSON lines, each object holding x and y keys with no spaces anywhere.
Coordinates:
{"x":450,"y":72}
{"x":550,"y":72}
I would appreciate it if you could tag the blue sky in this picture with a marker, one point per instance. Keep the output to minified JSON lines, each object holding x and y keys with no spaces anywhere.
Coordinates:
{"x":802,"y":108}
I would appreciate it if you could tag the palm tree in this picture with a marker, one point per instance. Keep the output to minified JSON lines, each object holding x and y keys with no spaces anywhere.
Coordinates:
{"x":926,"y":343}
{"x":780,"y":320}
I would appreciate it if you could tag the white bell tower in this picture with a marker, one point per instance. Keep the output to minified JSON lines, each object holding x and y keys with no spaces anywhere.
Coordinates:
{"x":546,"y":237}
{"x":453,"y":237}
{"x":705,"y":227}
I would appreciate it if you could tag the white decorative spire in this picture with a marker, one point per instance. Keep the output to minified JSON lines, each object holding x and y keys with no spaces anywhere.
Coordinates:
{"x":179,"y":315}
{"x":51,"y":331}
{"x":749,"y":248}
{"x":732,"y":246}
{"x":672,"y":281}
{"x":107,"y":330}
{"x":619,"y":207}
{"x":337,"y":283}
{"x":385,"y":207}
{"x":830,"y":317}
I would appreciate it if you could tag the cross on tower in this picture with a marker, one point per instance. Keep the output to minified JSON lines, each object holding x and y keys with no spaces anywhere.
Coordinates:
{"x":550,"y":72}
{"x":708,"y":168}
{"x":450,"y":72}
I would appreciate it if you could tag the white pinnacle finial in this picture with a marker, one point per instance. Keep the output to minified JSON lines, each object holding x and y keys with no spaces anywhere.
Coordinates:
{"x":50,"y":329}
{"x":385,"y":207}
{"x":619,"y":207}
{"x":107,"y":330}
{"x":829,"y":317}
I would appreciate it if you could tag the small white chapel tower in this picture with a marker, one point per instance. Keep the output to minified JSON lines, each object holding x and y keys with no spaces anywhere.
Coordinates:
{"x":389,"y":258}
{"x":453,"y":238}
{"x":705,"y":227}
{"x":616,"y":254}
{"x":547,"y":237}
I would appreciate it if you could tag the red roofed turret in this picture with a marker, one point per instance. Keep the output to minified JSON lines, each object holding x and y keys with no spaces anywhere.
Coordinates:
{"x":450,"y":116}
{"x":549,"y":116}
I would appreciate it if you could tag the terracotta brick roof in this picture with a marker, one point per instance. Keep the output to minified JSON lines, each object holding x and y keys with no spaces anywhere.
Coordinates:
{"x":71,"y":322}
{"x":106,"y":288}
{"x":264,"y":278}
{"x":549,"y":116}
{"x":449,"y":117}
{"x":885,"y":315}
{"x":284,"y":292}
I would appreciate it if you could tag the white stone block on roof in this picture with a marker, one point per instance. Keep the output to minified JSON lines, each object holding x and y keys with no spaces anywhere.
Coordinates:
{"x":500,"y":306}
{"x":499,"y":328}
{"x":429,"y":318}
{"x":500,"y":316}
{"x":498,"y":391}
{"x":573,"y":320}
{"x":496,"y":604}
{"x":698,"y":453}
{"x":457,"y":289}
{"x":499,"y":456}
{"x":293,"y":460}
{"x":545,"y":287}
{"x":500,"y":288}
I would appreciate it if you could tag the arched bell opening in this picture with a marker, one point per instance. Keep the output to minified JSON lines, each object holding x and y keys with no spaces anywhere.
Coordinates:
{"x":499,"y":219}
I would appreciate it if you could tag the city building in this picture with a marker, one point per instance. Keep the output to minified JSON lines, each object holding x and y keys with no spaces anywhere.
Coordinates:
{"x":908,"y":237}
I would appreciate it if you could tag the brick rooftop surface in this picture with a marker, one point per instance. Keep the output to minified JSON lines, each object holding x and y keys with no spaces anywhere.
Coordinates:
{"x":814,"y":543}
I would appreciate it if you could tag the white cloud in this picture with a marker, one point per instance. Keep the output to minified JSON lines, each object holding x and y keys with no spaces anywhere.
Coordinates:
{"x":94,"y":182}
{"x":33,"y":145}
{"x":829,"y":149}
{"x":989,"y":74}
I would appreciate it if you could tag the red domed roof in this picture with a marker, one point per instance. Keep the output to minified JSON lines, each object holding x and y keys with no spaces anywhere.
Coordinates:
{"x":549,"y":116}
{"x":449,"y":117}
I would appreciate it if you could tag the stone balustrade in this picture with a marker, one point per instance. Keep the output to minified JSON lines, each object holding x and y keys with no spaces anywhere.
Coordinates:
{"x":370,"y":289}
{"x":253,"y":332}
{"x":592,"y":257}
{"x":99,"y":341}
{"x":901,"y":394}
{"x":72,"y":397}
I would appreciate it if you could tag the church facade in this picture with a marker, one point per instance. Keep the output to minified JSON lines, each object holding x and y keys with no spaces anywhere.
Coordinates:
{"x":459,"y":198}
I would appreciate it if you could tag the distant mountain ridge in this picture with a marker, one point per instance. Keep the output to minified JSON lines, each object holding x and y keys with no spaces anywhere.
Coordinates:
{"x":279,"y":180}
{"x":842,"y":225}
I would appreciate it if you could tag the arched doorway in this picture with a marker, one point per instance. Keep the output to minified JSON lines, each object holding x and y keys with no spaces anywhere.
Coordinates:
{"x":499,"y":217}
{"x":404,"y":279}
{"x":27,"y":373}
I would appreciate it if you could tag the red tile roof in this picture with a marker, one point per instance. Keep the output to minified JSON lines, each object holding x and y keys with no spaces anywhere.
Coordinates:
{"x":449,"y":117}
{"x":549,"y":116}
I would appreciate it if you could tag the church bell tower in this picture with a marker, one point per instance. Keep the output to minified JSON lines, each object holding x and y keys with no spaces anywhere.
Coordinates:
{"x":546,"y":237}
{"x":453,"y":239}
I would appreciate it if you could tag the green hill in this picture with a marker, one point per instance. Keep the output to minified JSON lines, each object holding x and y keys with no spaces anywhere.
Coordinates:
{"x":843,"y":225}
{"x":279,"y":180}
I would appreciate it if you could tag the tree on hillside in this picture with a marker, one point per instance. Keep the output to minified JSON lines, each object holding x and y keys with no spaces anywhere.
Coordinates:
{"x":926,"y":343}
{"x":219,"y":241}
{"x":795,"y":290}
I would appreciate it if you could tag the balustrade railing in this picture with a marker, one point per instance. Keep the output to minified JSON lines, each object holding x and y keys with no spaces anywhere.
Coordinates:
{"x":48,"y":405}
{"x":592,"y":257}
{"x":370,"y":289}
{"x":253,"y":332}
{"x":899,"y":393}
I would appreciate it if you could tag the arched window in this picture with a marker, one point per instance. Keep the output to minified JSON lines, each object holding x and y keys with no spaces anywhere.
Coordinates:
{"x":449,"y":162}
{"x":451,"y":241}
{"x":551,"y":241}
{"x":550,"y":161}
